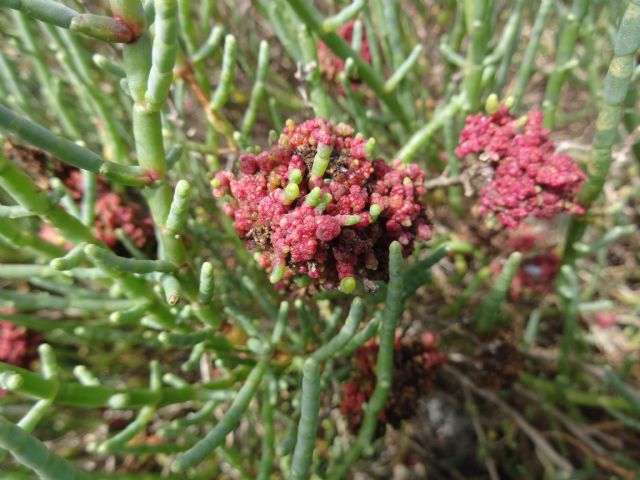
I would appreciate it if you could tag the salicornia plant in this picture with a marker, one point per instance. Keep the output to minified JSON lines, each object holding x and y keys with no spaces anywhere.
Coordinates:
{"x":241,"y":239}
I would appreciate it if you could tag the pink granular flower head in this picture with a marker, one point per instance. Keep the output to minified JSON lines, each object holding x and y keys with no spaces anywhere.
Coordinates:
{"x":17,"y":344}
{"x":329,"y":63}
{"x":414,"y":362}
{"x":539,"y":267}
{"x":111,"y":214}
{"x":14,"y":344}
{"x":529,"y":178}
{"x":317,"y":204}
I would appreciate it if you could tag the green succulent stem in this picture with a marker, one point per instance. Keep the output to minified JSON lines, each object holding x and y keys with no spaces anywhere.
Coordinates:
{"x":108,"y":29}
{"x":384,"y":364}
{"x":566,"y":47}
{"x":476,"y":13}
{"x":33,"y":454}
{"x":528,"y":59}
{"x":616,"y":85}
{"x":308,"y":424}
{"x":216,"y":437}
{"x":313,"y":20}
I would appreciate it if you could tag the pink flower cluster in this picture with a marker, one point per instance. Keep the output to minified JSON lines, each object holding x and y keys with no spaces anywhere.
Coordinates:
{"x":17,"y":344}
{"x":329,"y":63}
{"x":414,"y":361}
{"x":318,"y":204}
{"x":530,"y":179}
{"x":111,"y":214}
{"x":539,"y":268}
{"x":14,"y":344}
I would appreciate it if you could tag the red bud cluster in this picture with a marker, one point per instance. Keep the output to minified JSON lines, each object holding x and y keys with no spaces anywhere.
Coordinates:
{"x":319,"y":204}
{"x":529,"y":177}
{"x":414,"y":362}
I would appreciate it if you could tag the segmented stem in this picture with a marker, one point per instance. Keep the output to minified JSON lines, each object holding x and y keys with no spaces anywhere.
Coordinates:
{"x":616,"y":85}
{"x":566,"y":46}
{"x":308,"y":424}
{"x":33,"y":454}
{"x":216,"y":437}
{"x":384,"y":365}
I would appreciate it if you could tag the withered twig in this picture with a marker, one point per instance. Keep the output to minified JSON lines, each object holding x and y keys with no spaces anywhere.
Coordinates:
{"x":490,"y":463}
{"x":533,"y":434}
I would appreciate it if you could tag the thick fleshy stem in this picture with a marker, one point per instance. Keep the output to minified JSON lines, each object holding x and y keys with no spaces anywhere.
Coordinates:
{"x":205,"y":290}
{"x":67,"y":151}
{"x":20,"y":186}
{"x":209,"y":46}
{"x":308,"y":424}
{"x":145,"y":415}
{"x":71,"y":260}
{"x":616,"y":86}
{"x":216,"y":437}
{"x":345,"y":334}
{"x":103,"y":28}
{"x":348,"y":13}
{"x":50,"y":370}
{"x":223,"y":90}
{"x":489,"y":313}
{"x":421,"y":137}
{"x":163,"y":54}
{"x":569,"y":290}
{"x":95,"y":396}
{"x":104,"y":258}
{"x":269,"y":435}
{"x":317,"y":88}
{"x":321,"y":160}
{"x":566,"y":46}
{"x":179,"y":211}
{"x":420,"y":271}
{"x":526,"y":67}
{"x":476,"y":13}
{"x":313,"y":20}
{"x":403,"y":70}
{"x":33,"y":454}
{"x":384,"y":365}
{"x":257,"y":92}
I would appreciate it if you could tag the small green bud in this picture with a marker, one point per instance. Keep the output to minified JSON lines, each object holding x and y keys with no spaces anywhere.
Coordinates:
{"x":313,"y":197}
{"x":10,"y":381}
{"x":347,"y":284}
{"x":375,"y":210}
{"x":492,"y":105}
{"x":370,"y":148}
{"x":321,"y":160}
{"x":510,"y":101}
{"x":277,"y":273}
{"x":291,"y":192}
{"x":295,"y":176}
{"x":326,"y":199}
{"x":350,"y":220}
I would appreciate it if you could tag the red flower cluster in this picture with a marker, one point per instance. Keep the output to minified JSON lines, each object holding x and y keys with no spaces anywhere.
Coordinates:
{"x":329,"y":63}
{"x":414,"y":361}
{"x":14,"y":344}
{"x":530,"y":179}
{"x":539,"y":268}
{"x":111,"y":213}
{"x":318,"y":204}
{"x":17,"y":344}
